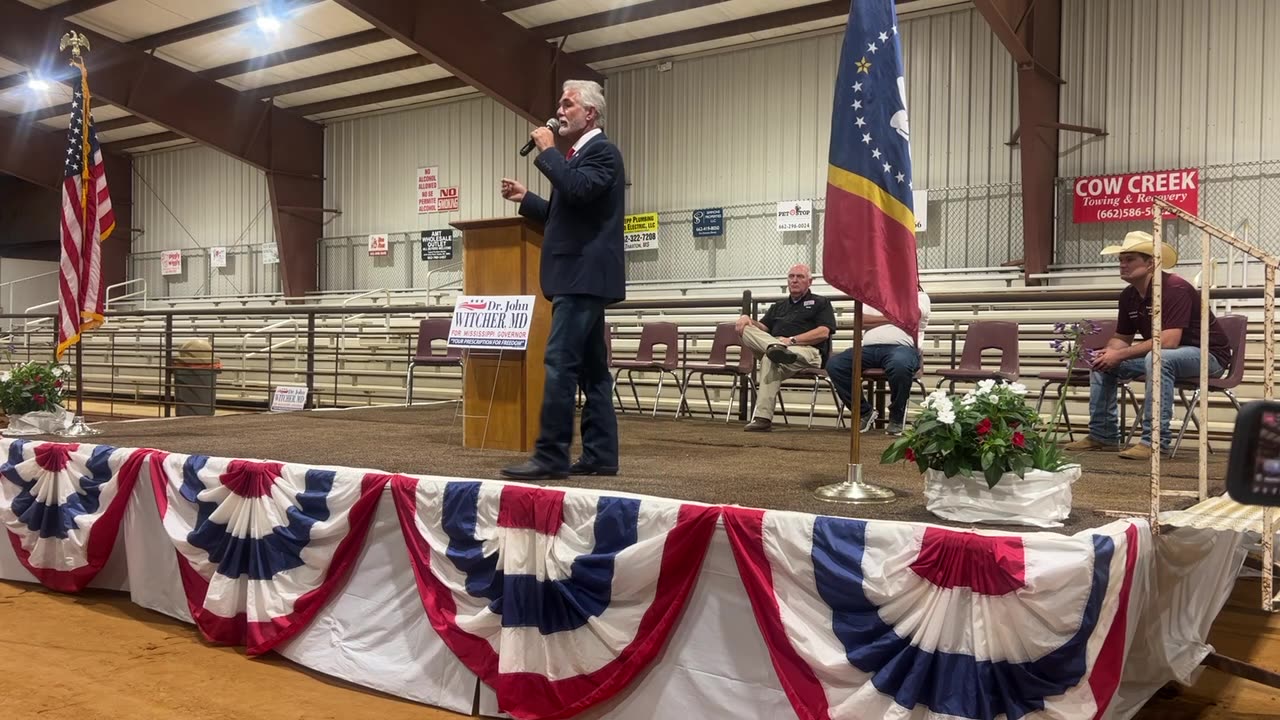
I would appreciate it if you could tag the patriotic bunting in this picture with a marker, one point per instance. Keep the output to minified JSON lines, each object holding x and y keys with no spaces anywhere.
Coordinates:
{"x":557,"y":600}
{"x":894,"y":620}
{"x":261,"y":545}
{"x":62,"y":505}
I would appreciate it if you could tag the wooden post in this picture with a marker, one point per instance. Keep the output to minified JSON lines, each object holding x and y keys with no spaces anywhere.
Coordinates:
{"x":1203,"y":487}
{"x":1157,"y":230}
{"x":1268,"y":393}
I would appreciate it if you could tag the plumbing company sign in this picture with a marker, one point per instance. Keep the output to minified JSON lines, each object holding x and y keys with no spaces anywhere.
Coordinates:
{"x":1121,"y":198}
{"x":492,"y":322}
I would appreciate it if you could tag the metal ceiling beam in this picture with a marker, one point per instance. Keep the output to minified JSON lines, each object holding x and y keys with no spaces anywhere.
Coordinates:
{"x":302,"y":52}
{"x":377,"y":96}
{"x":619,"y":16}
{"x":272,"y":139}
{"x":212,"y":25}
{"x":75,"y":7}
{"x":506,"y":6}
{"x":517,"y":68}
{"x":358,"y":72}
{"x":31,"y":153}
{"x":133,"y":143}
{"x":1035,"y":46}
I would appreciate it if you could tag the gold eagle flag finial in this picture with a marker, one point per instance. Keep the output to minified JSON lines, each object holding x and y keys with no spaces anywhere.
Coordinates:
{"x":76,"y":41}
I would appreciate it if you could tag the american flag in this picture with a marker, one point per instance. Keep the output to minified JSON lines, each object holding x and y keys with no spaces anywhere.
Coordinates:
{"x":87,"y":220}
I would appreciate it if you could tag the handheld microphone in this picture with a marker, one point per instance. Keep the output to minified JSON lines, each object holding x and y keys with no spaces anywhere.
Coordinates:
{"x":553,"y":123}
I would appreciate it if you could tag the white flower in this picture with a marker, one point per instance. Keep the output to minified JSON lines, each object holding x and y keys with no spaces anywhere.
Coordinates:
{"x":985,"y":386}
{"x":946,"y":417}
{"x":4,"y":376}
{"x":934,"y":398}
{"x":969,"y":400}
{"x":1018,"y":389}
{"x":62,"y":370}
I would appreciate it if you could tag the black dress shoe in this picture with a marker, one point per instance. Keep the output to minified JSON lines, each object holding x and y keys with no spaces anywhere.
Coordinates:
{"x":781,"y":355}
{"x":582,"y":467}
{"x":531,"y":471}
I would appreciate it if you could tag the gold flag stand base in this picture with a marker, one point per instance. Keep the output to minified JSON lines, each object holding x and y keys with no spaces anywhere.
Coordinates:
{"x":854,"y":491}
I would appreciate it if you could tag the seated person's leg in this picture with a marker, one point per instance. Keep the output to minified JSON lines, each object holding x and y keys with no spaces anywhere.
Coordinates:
{"x":840,"y":371}
{"x":1104,"y":419}
{"x":1180,"y":363}
{"x":900,"y":366}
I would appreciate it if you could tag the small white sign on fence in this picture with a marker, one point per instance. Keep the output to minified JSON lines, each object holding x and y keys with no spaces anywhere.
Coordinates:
{"x":288,"y":398}
{"x":217,"y":257}
{"x":171,"y":262}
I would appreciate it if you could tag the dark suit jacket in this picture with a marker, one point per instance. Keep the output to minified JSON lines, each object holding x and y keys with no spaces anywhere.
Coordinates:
{"x":582,"y":237}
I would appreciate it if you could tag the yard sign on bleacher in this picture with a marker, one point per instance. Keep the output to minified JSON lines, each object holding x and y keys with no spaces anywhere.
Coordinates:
{"x":492,"y":322}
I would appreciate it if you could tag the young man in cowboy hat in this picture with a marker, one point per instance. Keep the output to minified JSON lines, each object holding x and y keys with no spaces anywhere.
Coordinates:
{"x":1123,"y":359}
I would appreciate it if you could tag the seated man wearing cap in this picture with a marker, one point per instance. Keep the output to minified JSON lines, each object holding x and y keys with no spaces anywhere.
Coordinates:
{"x":1122,"y":359}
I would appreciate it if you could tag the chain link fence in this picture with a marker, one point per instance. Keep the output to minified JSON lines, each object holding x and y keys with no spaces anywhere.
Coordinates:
{"x":244,"y":274}
{"x":1243,"y":198}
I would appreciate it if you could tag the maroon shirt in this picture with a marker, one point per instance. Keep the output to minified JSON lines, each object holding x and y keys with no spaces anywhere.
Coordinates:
{"x":1181,"y":301}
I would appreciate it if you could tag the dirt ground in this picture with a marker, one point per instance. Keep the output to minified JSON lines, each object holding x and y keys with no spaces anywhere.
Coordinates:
{"x":97,"y":656}
{"x":689,"y":459}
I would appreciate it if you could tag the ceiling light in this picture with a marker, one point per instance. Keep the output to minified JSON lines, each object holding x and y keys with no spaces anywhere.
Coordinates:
{"x":269,"y":24}
{"x":37,"y":84}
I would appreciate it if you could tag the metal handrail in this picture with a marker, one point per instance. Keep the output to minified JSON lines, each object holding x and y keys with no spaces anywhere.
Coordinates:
{"x":26,"y":327}
{"x":386,"y":320}
{"x":450,"y":266}
{"x":14,"y":283}
{"x":267,"y":329}
{"x":138,"y":281}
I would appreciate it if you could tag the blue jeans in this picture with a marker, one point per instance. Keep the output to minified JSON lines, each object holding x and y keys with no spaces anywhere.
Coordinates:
{"x":1180,"y":363}
{"x":576,"y":357}
{"x":899,"y":362}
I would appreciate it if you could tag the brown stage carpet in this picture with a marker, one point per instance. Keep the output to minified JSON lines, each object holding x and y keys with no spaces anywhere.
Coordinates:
{"x":702,"y":460}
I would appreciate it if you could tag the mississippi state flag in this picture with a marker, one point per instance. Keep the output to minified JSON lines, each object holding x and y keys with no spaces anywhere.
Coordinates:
{"x":62,"y":504}
{"x":556,"y":600}
{"x":895,"y":620}
{"x":261,"y":545}
{"x":869,"y":235}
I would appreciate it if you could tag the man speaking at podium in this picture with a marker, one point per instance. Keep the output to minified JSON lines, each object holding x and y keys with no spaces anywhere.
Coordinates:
{"x":582,"y":272}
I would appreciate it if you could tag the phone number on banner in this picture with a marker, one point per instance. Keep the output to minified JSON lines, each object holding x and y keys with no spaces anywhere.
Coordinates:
{"x":1136,"y":213}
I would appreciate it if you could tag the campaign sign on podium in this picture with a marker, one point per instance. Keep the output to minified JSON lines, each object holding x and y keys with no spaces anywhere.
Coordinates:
{"x":492,"y":322}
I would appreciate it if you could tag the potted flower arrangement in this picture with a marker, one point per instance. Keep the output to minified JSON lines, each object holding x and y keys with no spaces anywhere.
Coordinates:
{"x":31,"y":397}
{"x":985,"y":456}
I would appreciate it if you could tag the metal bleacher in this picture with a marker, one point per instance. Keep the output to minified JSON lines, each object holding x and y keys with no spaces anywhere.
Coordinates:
{"x":356,"y":346}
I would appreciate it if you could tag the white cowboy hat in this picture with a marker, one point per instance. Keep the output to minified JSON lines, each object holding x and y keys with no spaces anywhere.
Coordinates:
{"x":1142,"y":242}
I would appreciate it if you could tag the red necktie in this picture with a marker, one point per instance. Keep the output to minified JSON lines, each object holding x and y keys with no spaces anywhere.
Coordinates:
{"x":572,"y":151}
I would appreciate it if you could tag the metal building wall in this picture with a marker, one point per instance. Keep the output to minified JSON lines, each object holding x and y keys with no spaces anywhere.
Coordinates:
{"x":742,"y":129}
{"x":1176,"y":84}
{"x":192,"y":199}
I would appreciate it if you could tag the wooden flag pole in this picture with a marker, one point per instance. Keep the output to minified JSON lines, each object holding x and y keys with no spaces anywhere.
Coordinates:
{"x":853,"y":490}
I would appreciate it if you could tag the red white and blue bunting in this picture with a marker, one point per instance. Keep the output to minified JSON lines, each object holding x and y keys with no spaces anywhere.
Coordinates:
{"x":62,"y":504}
{"x":556,"y":600}
{"x":261,"y":545}
{"x":894,"y":620}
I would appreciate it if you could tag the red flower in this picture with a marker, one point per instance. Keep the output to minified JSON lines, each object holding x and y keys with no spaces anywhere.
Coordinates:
{"x":38,"y":398}
{"x":57,"y":383}
{"x":1019,"y":440}
{"x":910,"y":455}
{"x":984,"y":427}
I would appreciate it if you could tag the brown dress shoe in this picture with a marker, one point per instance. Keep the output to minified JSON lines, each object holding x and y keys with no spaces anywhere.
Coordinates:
{"x":1136,"y":451}
{"x":1088,"y":443}
{"x":759,"y":425}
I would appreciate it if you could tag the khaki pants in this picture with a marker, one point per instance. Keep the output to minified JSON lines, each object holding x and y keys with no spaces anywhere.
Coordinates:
{"x":772,"y":374}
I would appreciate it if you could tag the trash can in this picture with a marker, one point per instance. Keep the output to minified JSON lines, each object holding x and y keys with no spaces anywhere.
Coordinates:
{"x":195,"y":378}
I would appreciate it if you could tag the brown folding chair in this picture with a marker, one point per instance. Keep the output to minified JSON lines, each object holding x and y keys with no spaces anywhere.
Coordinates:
{"x":726,"y":337}
{"x":1078,"y":374}
{"x":1236,"y":328}
{"x":985,"y":335}
{"x":874,"y":381}
{"x":431,"y":330}
{"x":818,"y":376}
{"x":653,"y":335}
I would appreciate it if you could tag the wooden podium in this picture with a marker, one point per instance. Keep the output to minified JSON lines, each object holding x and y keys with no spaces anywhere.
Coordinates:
{"x":501,"y":257}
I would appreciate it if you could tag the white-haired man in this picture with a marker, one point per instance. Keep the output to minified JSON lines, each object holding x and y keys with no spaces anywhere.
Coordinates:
{"x":582,"y":272}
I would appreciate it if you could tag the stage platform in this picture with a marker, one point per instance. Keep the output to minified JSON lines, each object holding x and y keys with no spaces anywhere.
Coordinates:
{"x":1106,"y":612}
{"x":687,"y":459}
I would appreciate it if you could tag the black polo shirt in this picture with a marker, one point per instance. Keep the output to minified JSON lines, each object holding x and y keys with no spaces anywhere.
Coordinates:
{"x":787,"y":318}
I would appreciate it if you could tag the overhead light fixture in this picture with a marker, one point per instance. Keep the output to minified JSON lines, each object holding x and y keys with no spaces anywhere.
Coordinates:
{"x":269,"y":24}
{"x":38,"y":85}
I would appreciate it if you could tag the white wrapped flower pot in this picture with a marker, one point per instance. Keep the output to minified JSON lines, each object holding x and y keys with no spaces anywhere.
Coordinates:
{"x":42,"y":422}
{"x":1040,"y":499}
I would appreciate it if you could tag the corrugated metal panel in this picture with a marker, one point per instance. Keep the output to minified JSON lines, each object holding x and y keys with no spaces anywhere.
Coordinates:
{"x":745,"y":126}
{"x":1175,"y":83}
{"x":198,"y":198}
{"x":372,"y":164}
